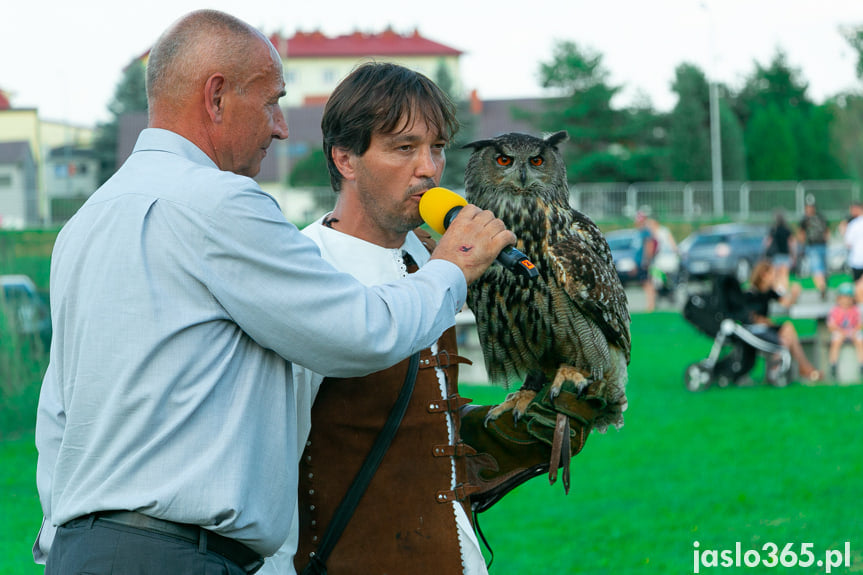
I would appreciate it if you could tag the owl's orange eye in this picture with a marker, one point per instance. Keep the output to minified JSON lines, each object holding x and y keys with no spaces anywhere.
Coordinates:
{"x":537,"y":161}
{"x":504,"y":160}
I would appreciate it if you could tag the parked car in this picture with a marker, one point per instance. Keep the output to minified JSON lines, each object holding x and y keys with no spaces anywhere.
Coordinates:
{"x":730,"y":249}
{"x":23,"y":310}
{"x":624,"y":244}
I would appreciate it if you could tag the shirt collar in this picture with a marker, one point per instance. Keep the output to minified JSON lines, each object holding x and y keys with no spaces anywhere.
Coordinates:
{"x":166,"y":141}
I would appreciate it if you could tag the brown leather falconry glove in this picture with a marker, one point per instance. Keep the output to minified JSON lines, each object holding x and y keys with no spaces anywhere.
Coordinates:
{"x":508,"y":453}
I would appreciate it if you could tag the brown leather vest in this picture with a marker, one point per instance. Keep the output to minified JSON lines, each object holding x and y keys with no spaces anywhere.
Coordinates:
{"x":405,"y":521}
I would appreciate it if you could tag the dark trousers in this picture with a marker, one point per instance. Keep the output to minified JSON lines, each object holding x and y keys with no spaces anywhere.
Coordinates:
{"x":89,"y":546}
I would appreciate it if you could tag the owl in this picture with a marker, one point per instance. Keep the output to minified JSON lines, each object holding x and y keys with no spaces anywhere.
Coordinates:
{"x":571,"y":322}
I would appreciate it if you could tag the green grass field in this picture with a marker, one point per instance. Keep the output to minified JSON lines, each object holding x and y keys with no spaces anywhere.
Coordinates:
{"x":753,"y":465}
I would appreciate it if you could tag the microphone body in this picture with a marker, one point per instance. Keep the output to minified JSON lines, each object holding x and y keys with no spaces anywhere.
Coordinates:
{"x":439,"y":207}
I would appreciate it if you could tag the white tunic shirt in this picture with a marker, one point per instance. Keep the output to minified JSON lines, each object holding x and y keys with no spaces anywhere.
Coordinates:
{"x":372,"y":265}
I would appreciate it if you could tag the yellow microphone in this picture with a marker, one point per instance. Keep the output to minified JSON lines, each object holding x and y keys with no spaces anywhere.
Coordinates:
{"x":440,"y":206}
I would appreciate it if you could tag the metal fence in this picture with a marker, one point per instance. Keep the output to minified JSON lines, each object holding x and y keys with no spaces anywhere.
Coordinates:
{"x":697,"y":202}
{"x":693,"y":202}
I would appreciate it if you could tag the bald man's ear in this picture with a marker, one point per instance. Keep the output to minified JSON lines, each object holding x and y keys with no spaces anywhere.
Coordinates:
{"x":214,"y":97}
{"x":344,"y":160}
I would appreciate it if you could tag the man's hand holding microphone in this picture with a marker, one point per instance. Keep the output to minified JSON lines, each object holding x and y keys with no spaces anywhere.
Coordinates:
{"x":472,"y":238}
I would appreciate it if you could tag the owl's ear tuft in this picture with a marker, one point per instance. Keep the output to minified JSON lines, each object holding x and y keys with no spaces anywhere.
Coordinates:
{"x":556,"y":138}
{"x":479,"y":144}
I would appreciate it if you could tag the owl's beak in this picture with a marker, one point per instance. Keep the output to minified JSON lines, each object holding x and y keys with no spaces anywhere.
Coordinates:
{"x":522,"y":175}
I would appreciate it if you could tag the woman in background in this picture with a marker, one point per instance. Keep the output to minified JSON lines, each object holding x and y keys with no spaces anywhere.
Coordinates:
{"x":780,"y":246}
{"x":764,"y":288}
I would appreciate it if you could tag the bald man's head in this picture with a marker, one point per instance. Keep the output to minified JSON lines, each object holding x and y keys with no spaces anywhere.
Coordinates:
{"x":193,"y":48}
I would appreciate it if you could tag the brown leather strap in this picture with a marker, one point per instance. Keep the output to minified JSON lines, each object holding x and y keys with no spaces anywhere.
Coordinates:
{"x":560,"y":451}
{"x":349,"y":503}
{"x":451,"y":404}
{"x":459,"y":450}
{"x":442,"y":360}
{"x":556,"y":446}
{"x":461,"y":492}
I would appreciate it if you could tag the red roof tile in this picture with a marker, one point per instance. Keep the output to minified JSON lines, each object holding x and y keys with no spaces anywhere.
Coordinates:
{"x":387,"y":43}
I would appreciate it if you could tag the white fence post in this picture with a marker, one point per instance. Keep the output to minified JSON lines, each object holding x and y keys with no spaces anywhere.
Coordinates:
{"x":688,"y":202}
{"x":799,"y":197}
{"x":632,"y":199}
{"x":575,"y":198}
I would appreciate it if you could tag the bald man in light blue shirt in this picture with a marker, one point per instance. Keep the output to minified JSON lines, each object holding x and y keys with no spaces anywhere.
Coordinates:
{"x":180,"y":299}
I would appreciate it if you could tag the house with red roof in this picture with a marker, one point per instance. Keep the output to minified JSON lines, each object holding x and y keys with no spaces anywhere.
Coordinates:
{"x":316,"y":63}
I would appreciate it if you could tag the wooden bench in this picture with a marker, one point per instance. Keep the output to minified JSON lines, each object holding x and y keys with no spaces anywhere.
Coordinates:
{"x":817,"y":345}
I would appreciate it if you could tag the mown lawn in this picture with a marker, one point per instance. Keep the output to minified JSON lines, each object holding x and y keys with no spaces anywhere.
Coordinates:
{"x":752,"y":465}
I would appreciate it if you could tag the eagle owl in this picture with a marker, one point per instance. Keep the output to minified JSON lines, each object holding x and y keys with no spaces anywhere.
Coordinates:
{"x":571,"y":322}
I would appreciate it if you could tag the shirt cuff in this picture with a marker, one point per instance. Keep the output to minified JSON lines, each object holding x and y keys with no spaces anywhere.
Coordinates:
{"x":452,"y":275}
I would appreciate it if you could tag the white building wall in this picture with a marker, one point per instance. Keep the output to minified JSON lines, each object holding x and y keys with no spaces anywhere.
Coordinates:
{"x":13,"y":205}
{"x":318,"y":77}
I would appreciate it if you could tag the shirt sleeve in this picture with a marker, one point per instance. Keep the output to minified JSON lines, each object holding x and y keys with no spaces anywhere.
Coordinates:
{"x":274,"y":284}
{"x":50,"y":423}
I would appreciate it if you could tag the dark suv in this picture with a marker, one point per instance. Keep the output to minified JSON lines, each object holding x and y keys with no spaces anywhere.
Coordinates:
{"x":728,"y":249}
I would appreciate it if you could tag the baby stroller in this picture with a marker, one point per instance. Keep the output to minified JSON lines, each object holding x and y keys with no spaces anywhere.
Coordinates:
{"x":721,"y":313}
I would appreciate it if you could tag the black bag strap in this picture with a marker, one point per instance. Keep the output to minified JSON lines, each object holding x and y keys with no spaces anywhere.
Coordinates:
{"x":318,"y":560}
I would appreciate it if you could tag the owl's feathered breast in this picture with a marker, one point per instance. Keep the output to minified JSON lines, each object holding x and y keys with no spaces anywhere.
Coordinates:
{"x":571,"y":314}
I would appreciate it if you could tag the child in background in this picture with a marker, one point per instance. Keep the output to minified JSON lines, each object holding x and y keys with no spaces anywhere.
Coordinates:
{"x":844,"y":325}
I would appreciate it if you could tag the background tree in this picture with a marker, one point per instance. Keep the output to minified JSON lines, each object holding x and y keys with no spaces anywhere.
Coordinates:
{"x":777,"y":84}
{"x":733,"y":142}
{"x":643,"y":151}
{"x":847,"y":110}
{"x":770,"y":145}
{"x":776,"y":96}
{"x":854,"y":37}
{"x":689,"y":138}
{"x":816,"y":150}
{"x":583,"y":108}
{"x":456,"y":157}
{"x":130,"y":95}
{"x":310,"y":171}
{"x":845,"y":133}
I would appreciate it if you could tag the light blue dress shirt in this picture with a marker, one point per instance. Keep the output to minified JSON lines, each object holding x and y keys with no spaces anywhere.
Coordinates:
{"x":180,"y":297}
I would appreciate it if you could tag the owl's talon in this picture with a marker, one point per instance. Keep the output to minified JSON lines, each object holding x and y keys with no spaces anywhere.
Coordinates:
{"x":581,"y":388}
{"x":516,"y":402}
{"x":494,"y":413}
{"x":581,"y":380}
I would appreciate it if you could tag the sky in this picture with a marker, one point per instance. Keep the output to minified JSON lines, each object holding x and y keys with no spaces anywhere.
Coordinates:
{"x":65,"y":58}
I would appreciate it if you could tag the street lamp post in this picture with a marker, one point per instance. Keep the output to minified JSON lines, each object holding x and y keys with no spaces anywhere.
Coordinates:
{"x":716,"y":151}
{"x":715,"y":133}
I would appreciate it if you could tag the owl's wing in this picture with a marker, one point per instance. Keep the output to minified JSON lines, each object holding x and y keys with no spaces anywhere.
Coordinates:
{"x":582,"y":264}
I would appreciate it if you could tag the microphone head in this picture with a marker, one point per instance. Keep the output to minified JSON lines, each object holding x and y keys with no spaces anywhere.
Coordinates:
{"x":435,"y":204}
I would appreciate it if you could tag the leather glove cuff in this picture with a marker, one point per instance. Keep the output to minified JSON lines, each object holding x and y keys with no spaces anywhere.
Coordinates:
{"x":508,"y":453}
{"x":542,"y":414}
